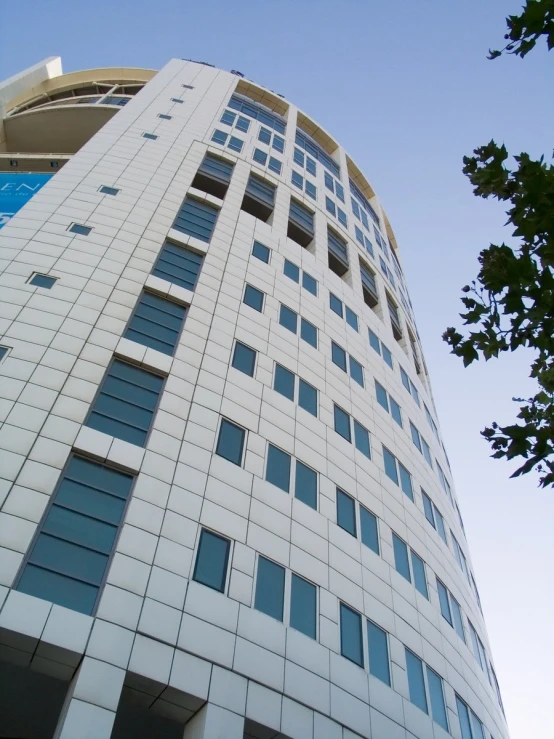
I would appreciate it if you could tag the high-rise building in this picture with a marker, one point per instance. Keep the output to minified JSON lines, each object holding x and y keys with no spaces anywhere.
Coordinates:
{"x":226,"y":509}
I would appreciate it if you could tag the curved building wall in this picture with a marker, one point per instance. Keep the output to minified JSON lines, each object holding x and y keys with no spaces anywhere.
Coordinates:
{"x":224,"y":497}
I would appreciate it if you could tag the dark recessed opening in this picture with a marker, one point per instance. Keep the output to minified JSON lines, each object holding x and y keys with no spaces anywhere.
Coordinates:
{"x":298,"y":234}
{"x":210,"y":185}
{"x":369,"y":297}
{"x":336,"y":266}
{"x":256,"y":208}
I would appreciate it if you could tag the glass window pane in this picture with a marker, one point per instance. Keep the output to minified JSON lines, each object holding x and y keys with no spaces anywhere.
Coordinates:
{"x":244,"y":359}
{"x":387,"y":356}
{"x":374,"y":341}
{"x":361,"y":439}
{"x":382,"y":397}
{"x":351,"y":645}
{"x":308,"y":332}
{"x":291,"y":270}
{"x":261,"y":252}
{"x":278,"y":468}
{"x":338,"y":355}
{"x":416,"y":682}
{"x":438,"y":708}
{"x":440,"y":526}
{"x":351,"y":318}
{"x":420,"y":581}
{"x":65,"y":591}
{"x":457,"y":618}
{"x":396,"y":413}
{"x":401,"y":557}
{"x":415,"y":436}
{"x":283,"y":382}
{"x":406,"y":481}
{"x":370,"y":533}
{"x":231,"y":441}
{"x":270,"y":588}
{"x":390,"y":465}
{"x":309,"y":283}
{"x":211,"y":560}
{"x":444,"y":603}
{"x":346,"y":512}
{"x":463,"y":716}
{"x":305,"y":486}
{"x":303,"y":606}
{"x":477,"y":726}
{"x":288,"y":319}
{"x":80,"y":529}
{"x":378,"y":651}
{"x":342,"y":423}
{"x":254,"y":298}
{"x":335,"y":304}
{"x":356,"y":371}
{"x":69,"y":559}
{"x":307,"y":397}
{"x":428,"y":509}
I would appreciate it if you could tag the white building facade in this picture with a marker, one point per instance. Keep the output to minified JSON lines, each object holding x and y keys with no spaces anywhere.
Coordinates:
{"x":225,"y":507}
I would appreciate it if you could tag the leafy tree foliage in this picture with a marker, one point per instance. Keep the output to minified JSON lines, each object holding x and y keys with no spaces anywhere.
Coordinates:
{"x":511,"y":303}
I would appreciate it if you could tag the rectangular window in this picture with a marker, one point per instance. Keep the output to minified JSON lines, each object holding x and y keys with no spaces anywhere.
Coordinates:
{"x":259,"y":198}
{"x":369,"y":529}
{"x":346,"y":512}
{"x":418,"y":569}
{"x":219,"y":137}
{"x":457,"y":618}
{"x":235,"y":144}
{"x":157,"y":323}
{"x":261,"y":252}
{"x":254,"y":298}
{"x":416,"y":682}
{"x":211,"y":561}
{"x":308,"y":332}
{"x":301,"y":223}
{"x":243,"y":124}
{"x":4,"y":350}
{"x":415,"y":437}
{"x":374,"y":341}
{"x":339,"y":189}
{"x":342,"y":423}
{"x":213,"y":176}
{"x":311,"y":166}
{"x":274,"y":165}
{"x":463,"y":716}
{"x":369,"y":286}
{"x":178,"y":265}
{"x":284,"y":382}
{"x":428,"y":509}
{"x":298,"y":157}
{"x":297,"y":179}
{"x":230,"y":443}
{"x":444,"y":602}
{"x":401,"y":561}
{"x":359,"y":235}
{"x":288,"y":319}
{"x":395,"y":411}
{"x":309,"y":283}
{"x":278,"y":143}
{"x":335,"y":304}
{"x":329,"y":182}
{"x":305,"y":485}
{"x":387,"y":356}
{"x":105,"y":190}
{"x":338,"y":356}
{"x":406,"y":482}
{"x":361,"y":439}
{"x":351,"y":645}
{"x":317,"y":152}
{"x":196,"y":218}
{"x":311,"y":190}
{"x":342,"y":217}
{"x":70,"y":555}
{"x":356,"y":371}
{"x":244,"y":359}
{"x":427,"y":452}
{"x":394,"y":318}
{"x":378,"y":652}
{"x":307,"y":397}
{"x":351,"y":318}
{"x":126,"y":402}
{"x":270,"y":588}
{"x":291,"y":270}
{"x":260,"y":157}
{"x":436,"y":694}
{"x":228,"y":118}
{"x":278,"y":468}
{"x":264,"y":136}
{"x":390,"y":465}
{"x":440,"y":525}
{"x":405,"y":379}
{"x":303,"y":606}
{"x":257,"y":112}
{"x":330,"y":206}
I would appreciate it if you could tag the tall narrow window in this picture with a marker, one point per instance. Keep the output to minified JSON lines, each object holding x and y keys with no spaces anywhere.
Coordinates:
{"x":378,"y":651}
{"x":212,"y":560}
{"x":301,"y":223}
{"x":254,"y":298}
{"x":307,"y":397}
{"x":179,"y":265}
{"x":284,"y":382}
{"x":436,"y":694}
{"x":305,"y":485}
{"x":270,"y":588}
{"x":230,"y":443}
{"x":70,"y":555}
{"x":157,"y":323}
{"x":361,"y":439}
{"x":196,"y":218}
{"x":259,"y":198}
{"x":369,"y":285}
{"x":394,"y":318}
{"x":342,"y":423}
{"x":401,"y":560}
{"x":125,"y":405}
{"x":244,"y":359}
{"x":337,"y":253}
{"x":444,"y":602}
{"x":346,"y":512}
{"x":278,"y":468}
{"x":420,"y":581}
{"x":351,"y":645}
{"x":416,"y":681}
{"x":369,"y":529}
{"x":303,"y":606}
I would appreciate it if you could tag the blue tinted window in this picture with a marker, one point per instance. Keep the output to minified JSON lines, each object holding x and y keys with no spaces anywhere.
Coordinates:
{"x":308,"y":332}
{"x":378,"y":652}
{"x":356,"y":371}
{"x":416,"y":682}
{"x":414,"y":392}
{"x":270,"y":588}
{"x":231,"y":442}
{"x":428,"y":508}
{"x":338,"y":355}
{"x":259,"y":156}
{"x":311,"y":190}
{"x":254,"y":298}
{"x":330,"y":206}
{"x":387,"y":356}
{"x":374,"y":341}
{"x":288,"y":318}
{"x":382,"y":397}
{"x":369,"y":530}
{"x":164,"y":116}
{"x":361,"y":439}
{"x":178,"y":264}
{"x":329,"y":182}
{"x":346,"y":512}
{"x":351,"y":645}
{"x":297,"y":179}
{"x":436,"y":695}
{"x":405,"y":379}
{"x":396,"y":413}
{"x":463,"y":716}
{"x":45,"y":281}
{"x":457,"y":618}
{"x":235,"y":144}
{"x":342,"y":217}
{"x":339,"y":191}
{"x":303,"y":606}
{"x":351,"y":318}
{"x":440,"y":526}
{"x":196,"y":218}
{"x":311,"y":166}
{"x":69,"y":557}
{"x":390,"y":465}
{"x":105,"y":190}
{"x":126,"y":402}
{"x":219,"y":137}
{"x":156,"y":323}
{"x":244,"y":359}
{"x":415,"y":436}
{"x":401,"y":561}
{"x":228,"y":118}
{"x":335,"y":304}
{"x":342,"y":423}
{"x":420,"y":581}
{"x":307,"y":397}
{"x":406,"y":481}
{"x":243,"y":124}
{"x":283,"y":382}
{"x":264,"y":136}
{"x":261,"y":252}
{"x":309,"y":283}
{"x":211,"y":560}
{"x":444,"y":602}
{"x":275,"y":165}
{"x":78,"y":228}
{"x":291,"y":270}
{"x":278,"y":143}
{"x":305,"y":486}
{"x":3,"y":352}
{"x":278,"y":468}
{"x":298,"y":157}
{"x":477,"y":726}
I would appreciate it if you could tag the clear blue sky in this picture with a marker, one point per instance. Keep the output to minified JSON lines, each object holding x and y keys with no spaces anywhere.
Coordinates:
{"x":406,"y":87}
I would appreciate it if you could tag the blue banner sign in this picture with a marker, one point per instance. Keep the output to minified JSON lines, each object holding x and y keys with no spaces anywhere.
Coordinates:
{"x":16,"y":190}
